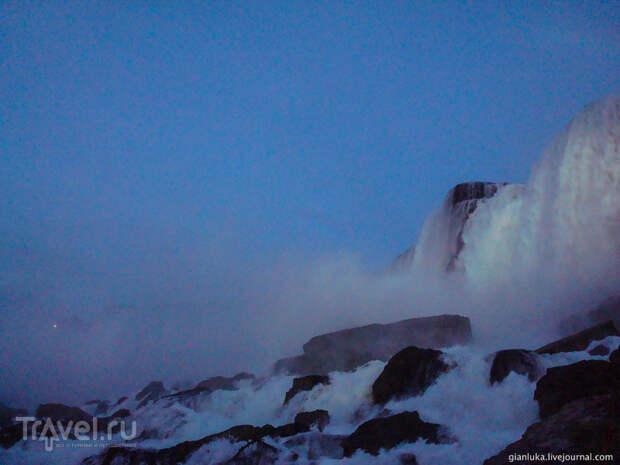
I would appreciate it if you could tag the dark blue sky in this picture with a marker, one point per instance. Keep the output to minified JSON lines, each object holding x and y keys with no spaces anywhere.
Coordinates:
{"x":150,"y":148}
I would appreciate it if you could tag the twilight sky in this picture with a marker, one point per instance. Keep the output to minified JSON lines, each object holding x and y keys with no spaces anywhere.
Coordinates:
{"x":162,"y":161}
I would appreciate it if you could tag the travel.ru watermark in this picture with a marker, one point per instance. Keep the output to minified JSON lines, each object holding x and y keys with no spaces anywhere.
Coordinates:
{"x":58,"y":433}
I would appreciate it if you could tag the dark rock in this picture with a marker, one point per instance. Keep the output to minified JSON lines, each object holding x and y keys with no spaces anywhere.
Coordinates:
{"x":583,"y":426}
{"x":255,"y":453}
{"x":522,"y":362}
{"x":175,"y":454}
{"x":62,"y":412}
{"x":386,"y":433}
{"x":222,"y":382}
{"x":153,"y":388}
{"x":149,"y":433}
{"x":181,"y":452}
{"x":599,"y":350}
{"x":187,"y":393}
{"x":305,"y":383}
{"x":408,"y":373}
{"x":119,"y":401}
{"x":581,"y":340}
{"x":474,"y":190}
{"x":458,"y":206}
{"x":151,"y":393}
{"x":11,"y":435}
{"x":7,"y":414}
{"x":122,"y":413}
{"x":318,"y":445}
{"x":615,"y":356}
{"x":563,"y":384}
{"x":350,"y":348}
{"x":101,"y":407}
{"x":290,"y":429}
{"x":318,"y":418}
{"x":213,"y":384}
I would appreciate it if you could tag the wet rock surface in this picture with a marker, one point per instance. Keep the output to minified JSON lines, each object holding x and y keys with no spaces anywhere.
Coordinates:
{"x":350,"y":348}
{"x":315,"y":418}
{"x":522,"y":362}
{"x":388,"y":432}
{"x":583,"y":426}
{"x":305,"y":383}
{"x":408,"y":373}
{"x":563,"y":384}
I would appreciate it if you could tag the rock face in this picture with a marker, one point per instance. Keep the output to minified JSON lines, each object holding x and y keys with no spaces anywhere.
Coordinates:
{"x":583,"y":426}
{"x":305,"y":383}
{"x":408,"y":373}
{"x":615,"y":356}
{"x":318,"y":418}
{"x":581,"y":340}
{"x":564,"y":384}
{"x":347,"y":349}
{"x":522,"y":362}
{"x":447,"y":227}
{"x":213,"y":384}
{"x":151,"y":392}
{"x":388,"y":432}
{"x":62,"y":412}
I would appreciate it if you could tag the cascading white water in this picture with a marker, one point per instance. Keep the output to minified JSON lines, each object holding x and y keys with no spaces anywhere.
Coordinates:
{"x":564,"y":225}
{"x":441,"y":239}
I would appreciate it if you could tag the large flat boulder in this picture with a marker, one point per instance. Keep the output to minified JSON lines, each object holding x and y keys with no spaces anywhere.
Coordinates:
{"x":347,"y":349}
{"x":408,"y":373}
{"x":388,"y":432}
{"x":563,"y":384}
{"x":585,"y":426}
{"x":581,"y":340}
